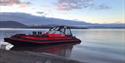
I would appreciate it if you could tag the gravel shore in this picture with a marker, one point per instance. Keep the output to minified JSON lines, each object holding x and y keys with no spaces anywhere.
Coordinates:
{"x":31,"y":57}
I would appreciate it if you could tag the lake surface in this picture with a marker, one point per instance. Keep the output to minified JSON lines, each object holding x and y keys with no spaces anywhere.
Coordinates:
{"x":97,"y":46}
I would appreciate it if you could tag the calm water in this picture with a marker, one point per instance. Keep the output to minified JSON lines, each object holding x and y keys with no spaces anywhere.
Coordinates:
{"x":97,"y":46}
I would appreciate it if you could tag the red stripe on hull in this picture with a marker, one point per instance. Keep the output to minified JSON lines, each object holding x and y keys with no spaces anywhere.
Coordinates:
{"x":29,"y":42}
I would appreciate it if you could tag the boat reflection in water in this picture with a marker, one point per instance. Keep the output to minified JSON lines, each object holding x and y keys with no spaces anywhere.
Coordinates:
{"x":57,"y":49}
{"x":42,"y":55}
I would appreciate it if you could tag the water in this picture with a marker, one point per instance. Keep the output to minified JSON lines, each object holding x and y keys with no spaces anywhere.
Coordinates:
{"x":97,"y":46}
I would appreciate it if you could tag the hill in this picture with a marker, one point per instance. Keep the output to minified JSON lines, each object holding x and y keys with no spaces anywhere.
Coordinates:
{"x":32,"y":21}
{"x":37,"y":20}
{"x":11,"y":24}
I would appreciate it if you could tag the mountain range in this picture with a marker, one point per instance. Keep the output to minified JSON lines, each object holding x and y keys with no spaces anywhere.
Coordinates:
{"x":16,"y":20}
{"x":29,"y":19}
{"x":11,"y":24}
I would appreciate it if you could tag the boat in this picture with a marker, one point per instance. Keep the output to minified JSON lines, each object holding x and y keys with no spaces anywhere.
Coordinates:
{"x":55,"y":35}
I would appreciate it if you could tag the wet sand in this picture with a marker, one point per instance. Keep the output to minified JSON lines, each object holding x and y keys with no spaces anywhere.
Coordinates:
{"x":32,"y":57}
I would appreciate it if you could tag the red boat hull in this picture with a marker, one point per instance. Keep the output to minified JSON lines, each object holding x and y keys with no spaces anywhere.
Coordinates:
{"x":22,"y":42}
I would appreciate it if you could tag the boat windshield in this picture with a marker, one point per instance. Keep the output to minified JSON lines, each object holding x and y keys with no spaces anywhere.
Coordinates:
{"x":60,"y":30}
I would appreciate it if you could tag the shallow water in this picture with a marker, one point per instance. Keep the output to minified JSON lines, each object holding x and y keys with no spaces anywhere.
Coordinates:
{"x":97,"y":46}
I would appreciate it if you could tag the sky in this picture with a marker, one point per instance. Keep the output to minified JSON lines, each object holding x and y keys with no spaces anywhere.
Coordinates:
{"x":91,"y":11}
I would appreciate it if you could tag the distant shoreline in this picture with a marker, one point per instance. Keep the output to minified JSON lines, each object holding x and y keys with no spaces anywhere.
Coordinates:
{"x":48,"y":28}
{"x":14,"y":24}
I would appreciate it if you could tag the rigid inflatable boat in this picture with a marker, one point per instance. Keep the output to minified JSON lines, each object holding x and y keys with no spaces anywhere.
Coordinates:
{"x":55,"y":35}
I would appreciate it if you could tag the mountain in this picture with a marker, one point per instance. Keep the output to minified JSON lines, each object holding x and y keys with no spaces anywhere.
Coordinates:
{"x":37,"y":20}
{"x":24,"y":20}
{"x":11,"y":24}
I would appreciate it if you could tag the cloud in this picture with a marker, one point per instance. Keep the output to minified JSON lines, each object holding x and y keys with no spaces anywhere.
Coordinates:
{"x":79,"y":4}
{"x":12,"y":2}
{"x":103,"y":6}
{"x":73,"y":4}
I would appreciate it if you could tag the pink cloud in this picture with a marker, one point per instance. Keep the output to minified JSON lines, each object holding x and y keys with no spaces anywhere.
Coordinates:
{"x":11,"y":2}
{"x":73,"y":4}
{"x":67,"y":5}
